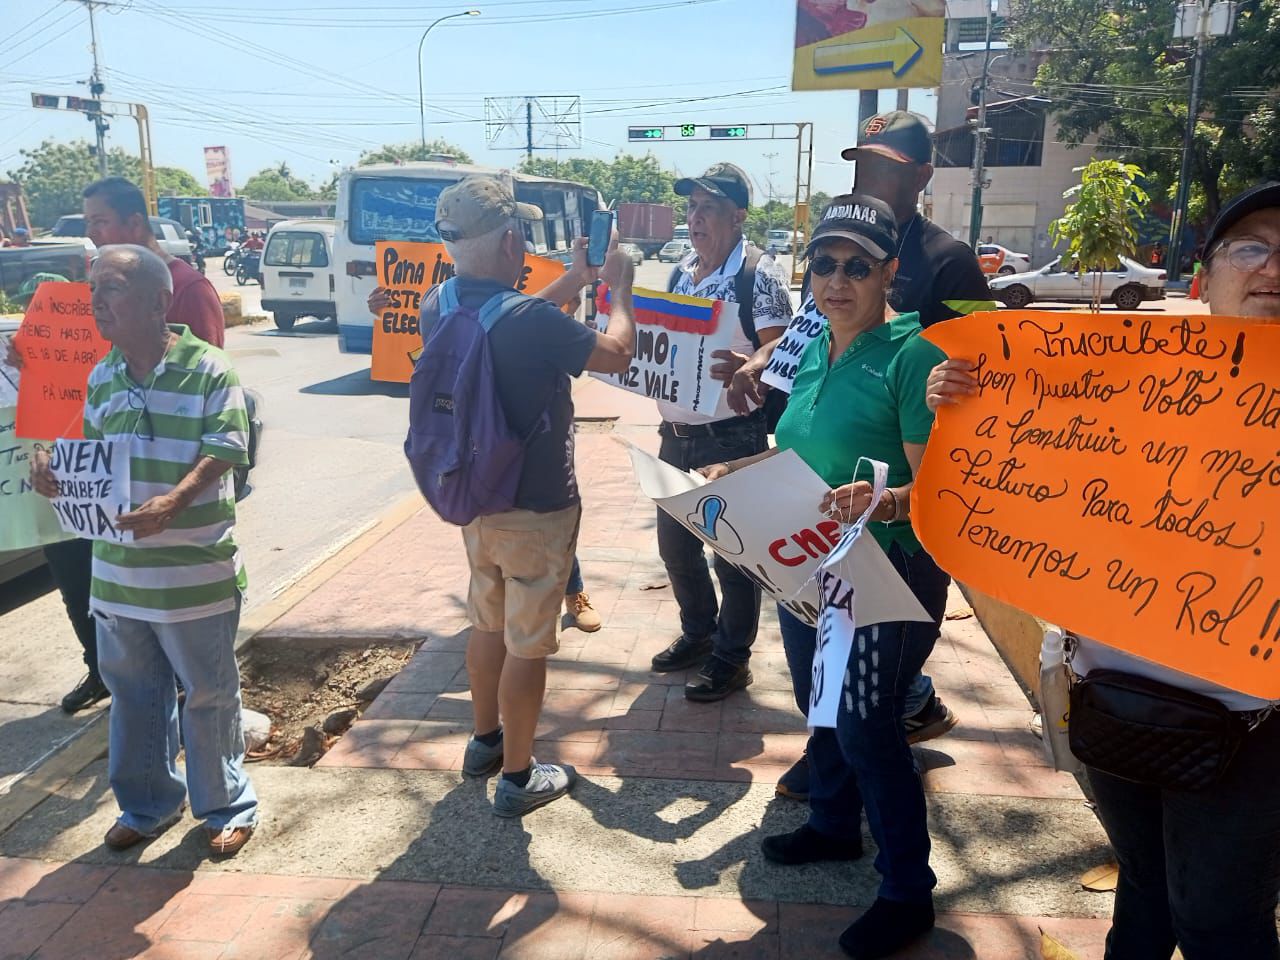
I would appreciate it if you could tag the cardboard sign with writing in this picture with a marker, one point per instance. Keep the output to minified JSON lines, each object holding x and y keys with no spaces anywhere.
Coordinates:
{"x":93,"y":487}
{"x":803,"y":330}
{"x":59,"y":344}
{"x":26,"y":518}
{"x":1118,"y":475}
{"x":675,"y":337}
{"x":766,"y":522}
{"x":409,"y":270}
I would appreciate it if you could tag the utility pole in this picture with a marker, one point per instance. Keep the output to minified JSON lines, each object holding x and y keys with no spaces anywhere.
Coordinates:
{"x":980,"y":139}
{"x":96,"y":89}
{"x":1202,"y":20}
{"x":768,"y":203}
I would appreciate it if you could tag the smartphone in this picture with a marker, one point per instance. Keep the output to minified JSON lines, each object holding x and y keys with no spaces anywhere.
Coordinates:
{"x":599,"y":236}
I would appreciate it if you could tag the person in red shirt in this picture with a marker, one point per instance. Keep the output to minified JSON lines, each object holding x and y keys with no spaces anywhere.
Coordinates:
{"x":116,"y":212}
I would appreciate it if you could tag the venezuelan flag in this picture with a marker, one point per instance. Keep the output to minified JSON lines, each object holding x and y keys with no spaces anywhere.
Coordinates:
{"x":671,"y":311}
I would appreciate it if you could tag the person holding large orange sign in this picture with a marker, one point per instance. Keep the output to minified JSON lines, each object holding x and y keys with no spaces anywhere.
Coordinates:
{"x":1121,"y":478}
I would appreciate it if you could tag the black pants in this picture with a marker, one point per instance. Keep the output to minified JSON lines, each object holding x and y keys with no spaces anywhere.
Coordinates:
{"x":71,"y":566}
{"x":1198,"y":870}
{"x":732,"y":622}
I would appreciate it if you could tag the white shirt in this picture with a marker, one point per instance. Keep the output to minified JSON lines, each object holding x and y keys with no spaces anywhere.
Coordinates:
{"x":772,"y":309}
{"x":1092,"y":655}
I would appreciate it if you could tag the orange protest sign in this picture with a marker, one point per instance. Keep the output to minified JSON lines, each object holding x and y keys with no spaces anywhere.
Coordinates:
{"x":409,"y":270}
{"x":1118,"y":475}
{"x":59,"y":344}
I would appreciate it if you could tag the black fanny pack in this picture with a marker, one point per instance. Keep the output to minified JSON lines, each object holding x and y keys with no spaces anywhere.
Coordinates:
{"x":1149,"y":732}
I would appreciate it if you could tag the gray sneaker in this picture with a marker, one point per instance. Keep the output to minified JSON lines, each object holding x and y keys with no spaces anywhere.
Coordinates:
{"x":547,"y":781}
{"x":481,"y":759}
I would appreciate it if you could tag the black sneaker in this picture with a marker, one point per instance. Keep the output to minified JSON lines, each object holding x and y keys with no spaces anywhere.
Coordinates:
{"x":808,"y":845}
{"x":794,"y":784}
{"x":684,"y":653}
{"x":717,"y":680}
{"x":886,"y":927}
{"x":87,"y":692}
{"x":932,"y":720}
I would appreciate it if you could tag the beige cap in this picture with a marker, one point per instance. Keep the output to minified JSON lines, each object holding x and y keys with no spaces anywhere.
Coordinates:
{"x":476,"y":206}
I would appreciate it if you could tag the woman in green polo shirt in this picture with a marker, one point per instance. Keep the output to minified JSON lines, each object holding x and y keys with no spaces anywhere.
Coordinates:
{"x":859,"y":392}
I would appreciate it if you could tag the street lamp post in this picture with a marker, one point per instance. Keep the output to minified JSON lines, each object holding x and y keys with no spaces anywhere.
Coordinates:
{"x":422,"y":113}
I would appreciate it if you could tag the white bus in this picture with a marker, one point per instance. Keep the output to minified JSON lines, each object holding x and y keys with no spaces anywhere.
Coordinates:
{"x":398,"y":202}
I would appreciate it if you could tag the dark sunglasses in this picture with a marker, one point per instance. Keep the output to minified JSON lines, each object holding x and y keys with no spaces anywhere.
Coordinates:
{"x":855,"y":268}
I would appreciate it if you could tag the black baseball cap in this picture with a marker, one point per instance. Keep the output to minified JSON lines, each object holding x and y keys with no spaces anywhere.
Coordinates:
{"x":899,"y":135}
{"x":722,"y":180}
{"x":1261,"y":197}
{"x":866,"y":221}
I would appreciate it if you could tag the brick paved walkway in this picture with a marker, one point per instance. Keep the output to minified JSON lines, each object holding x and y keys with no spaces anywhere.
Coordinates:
{"x":1003,"y":822}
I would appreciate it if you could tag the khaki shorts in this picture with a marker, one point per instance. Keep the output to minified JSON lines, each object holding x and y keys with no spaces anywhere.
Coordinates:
{"x":520,"y":563}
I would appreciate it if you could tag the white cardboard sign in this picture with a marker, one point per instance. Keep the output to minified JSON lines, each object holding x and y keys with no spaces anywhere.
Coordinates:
{"x":93,"y":487}
{"x":675,"y":337}
{"x":801,"y":331}
{"x":766,"y":521}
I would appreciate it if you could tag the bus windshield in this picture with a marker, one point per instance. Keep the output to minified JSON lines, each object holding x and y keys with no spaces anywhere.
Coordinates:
{"x":386,"y":208}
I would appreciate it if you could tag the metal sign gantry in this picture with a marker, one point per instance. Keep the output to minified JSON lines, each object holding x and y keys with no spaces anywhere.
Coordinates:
{"x":801,"y":132}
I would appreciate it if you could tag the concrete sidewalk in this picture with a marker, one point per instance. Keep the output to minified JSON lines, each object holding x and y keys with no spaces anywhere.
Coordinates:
{"x":384,"y":851}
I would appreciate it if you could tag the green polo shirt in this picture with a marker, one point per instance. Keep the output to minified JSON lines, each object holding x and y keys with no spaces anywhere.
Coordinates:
{"x":866,"y":404}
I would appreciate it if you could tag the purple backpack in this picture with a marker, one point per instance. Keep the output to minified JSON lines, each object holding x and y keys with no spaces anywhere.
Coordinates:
{"x":466,"y":458}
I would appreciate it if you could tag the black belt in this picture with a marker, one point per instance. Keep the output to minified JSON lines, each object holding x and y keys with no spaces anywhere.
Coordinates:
{"x":716,"y":428}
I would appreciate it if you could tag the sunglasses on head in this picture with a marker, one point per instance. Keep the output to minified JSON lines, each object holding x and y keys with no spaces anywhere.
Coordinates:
{"x":855,"y":268}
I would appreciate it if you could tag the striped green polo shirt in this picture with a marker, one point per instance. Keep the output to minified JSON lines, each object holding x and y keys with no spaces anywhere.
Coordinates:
{"x":191,"y":406}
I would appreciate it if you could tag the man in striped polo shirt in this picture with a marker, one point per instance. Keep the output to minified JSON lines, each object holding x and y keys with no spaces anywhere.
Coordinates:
{"x":169,"y":601}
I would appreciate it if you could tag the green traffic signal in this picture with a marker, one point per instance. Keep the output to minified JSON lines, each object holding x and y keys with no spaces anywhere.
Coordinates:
{"x":644,"y":133}
{"x":728,"y":133}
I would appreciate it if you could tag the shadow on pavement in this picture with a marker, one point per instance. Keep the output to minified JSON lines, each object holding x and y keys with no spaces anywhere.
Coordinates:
{"x":356,"y":384}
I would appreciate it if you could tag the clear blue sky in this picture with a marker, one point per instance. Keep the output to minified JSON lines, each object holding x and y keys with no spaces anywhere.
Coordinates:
{"x":313,"y":82}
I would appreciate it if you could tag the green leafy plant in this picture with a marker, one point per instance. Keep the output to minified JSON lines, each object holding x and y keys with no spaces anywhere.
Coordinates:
{"x":1100,"y":224}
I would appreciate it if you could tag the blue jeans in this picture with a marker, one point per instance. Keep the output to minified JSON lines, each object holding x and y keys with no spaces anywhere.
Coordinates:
{"x":138,"y":660}
{"x":731,"y":623}
{"x":575,"y":585}
{"x":865,"y":761}
{"x":1198,"y":870}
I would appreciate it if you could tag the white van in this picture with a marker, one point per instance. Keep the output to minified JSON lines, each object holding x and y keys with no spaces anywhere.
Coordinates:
{"x":297,"y":271}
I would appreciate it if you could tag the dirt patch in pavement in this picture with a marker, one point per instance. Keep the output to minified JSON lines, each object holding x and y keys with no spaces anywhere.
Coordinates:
{"x":302,"y":687}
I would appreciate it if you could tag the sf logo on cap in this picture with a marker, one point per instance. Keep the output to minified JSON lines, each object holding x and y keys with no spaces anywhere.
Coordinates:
{"x":875,"y":125}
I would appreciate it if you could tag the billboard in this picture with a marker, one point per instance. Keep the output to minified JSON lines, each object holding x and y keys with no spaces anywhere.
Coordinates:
{"x":217,"y":168}
{"x":868,"y":44}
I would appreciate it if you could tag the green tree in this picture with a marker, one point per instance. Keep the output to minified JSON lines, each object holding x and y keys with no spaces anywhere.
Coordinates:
{"x":1112,"y":68}
{"x":276,"y":183}
{"x":1100,"y":223}
{"x":404,"y":152}
{"x":53,"y":175}
{"x":175,"y":182}
{"x":624,"y":179}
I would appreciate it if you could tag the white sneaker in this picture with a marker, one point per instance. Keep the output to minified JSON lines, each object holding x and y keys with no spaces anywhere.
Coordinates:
{"x":547,"y":781}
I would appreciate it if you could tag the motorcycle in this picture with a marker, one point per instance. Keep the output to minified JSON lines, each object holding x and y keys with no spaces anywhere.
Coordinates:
{"x":197,"y":252}
{"x":231,"y":260}
{"x":249,"y":267}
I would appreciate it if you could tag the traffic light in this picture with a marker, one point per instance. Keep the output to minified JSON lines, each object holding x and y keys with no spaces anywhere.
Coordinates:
{"x":83,"y":105}
{"x":688,"y":130}
{"x":728,"y":133}
{"x":45,"y":101}
{"x":644,"y":133}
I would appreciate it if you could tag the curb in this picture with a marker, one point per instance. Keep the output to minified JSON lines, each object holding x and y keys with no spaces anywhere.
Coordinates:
{"x":69,"y":756}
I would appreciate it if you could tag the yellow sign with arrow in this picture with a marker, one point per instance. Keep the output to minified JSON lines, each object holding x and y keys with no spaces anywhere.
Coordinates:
{"x":868,"y":44}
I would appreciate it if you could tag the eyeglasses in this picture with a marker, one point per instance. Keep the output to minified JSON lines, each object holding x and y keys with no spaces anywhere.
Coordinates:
{"x":1246,"y":255}
{"x":855,"y":268}
{"x":138,"y":401}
